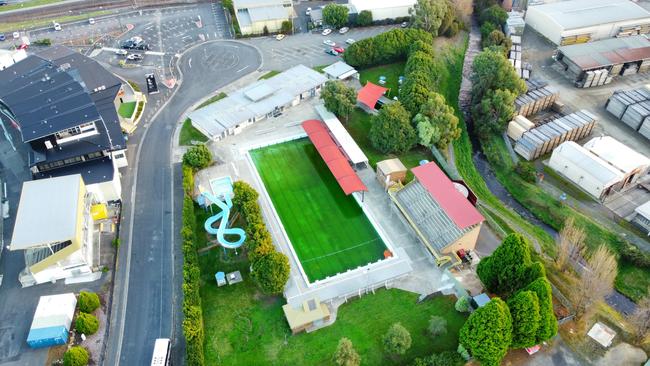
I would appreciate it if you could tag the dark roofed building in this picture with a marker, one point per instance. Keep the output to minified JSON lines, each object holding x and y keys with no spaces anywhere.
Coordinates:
{"x":64,"y":105}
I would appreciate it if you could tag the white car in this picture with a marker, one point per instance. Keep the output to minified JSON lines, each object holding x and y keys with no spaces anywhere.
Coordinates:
{"x":16,"y":35}
{"x":91,"y":21}
{"x":121,"y":52}
{"x":326,"y":31}
{"x":280,"y":37}
{"x":134,"y":57}
{"x":308,"y":12}
{"x":344,"y":30}
{"x":350,"y":41}
{"x":56,"y":26}
{"x":329,"y":42}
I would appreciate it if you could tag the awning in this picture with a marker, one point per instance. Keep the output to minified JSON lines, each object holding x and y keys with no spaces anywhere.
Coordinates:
{"x":370,"y":94}
{"x":333,"y":157}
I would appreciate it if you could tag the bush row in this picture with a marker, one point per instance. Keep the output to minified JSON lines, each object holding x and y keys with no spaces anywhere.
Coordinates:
{"x":270,"y":268}
{"x":384,"y":48}
{"x":192,"y":311}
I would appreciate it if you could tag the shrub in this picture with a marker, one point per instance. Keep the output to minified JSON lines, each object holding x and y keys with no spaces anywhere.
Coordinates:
{"x":345,"y":354}
{"x":75,"y":356}
{"x":271,"y":272}
{"x":42,"y":42}
{"x":188,"y":179}
{"x":86,"y":324}
{"x":364,"y":18}
{"x":524,"y":309}
{"x":526,"y":171}
{"x":198,"y":157}
{"x":487,"y":333}
{"x":446,"y":358}
{"x":286,"y":27}
{"x":462,"y":304}
{"x":397,"y":340}
{"x":437,"y":326}
{"x":634,"y":255}
{"x":87,"y":302}
{"x":391,"y":130}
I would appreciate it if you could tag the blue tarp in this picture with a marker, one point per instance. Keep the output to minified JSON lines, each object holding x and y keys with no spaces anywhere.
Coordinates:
{"x":47,"y":337}
{"x":481,"y":300}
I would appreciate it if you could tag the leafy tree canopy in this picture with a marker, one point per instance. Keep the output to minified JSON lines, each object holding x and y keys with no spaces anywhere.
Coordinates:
{"x":335,"y":15}
{"x":391,"y":129}
{"x":339,"y":98}
{"x":487,"y":333}
{"x":271,"y":272}
{"x":525,"y":312}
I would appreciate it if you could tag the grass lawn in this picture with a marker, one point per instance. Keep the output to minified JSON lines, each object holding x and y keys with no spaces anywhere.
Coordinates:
{"x":27,"y":4}
{"x":244,"y":327}
{"x":269,"y":75}
{"x":212,"y":100}
{"x":320,"y":68}
{"x":359,"y":128}
{"x":126,"y":109}
{"x":189,"y":134}
{"x":27,"y":24}
{"x":392,"y":72}
{"x":328,"y":230}
{"x":632,"y":281}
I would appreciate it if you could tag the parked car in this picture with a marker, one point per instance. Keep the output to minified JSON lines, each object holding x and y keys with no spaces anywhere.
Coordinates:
{"x":326,"y":31}
{"x":339,"y":49}
{"x":344,"y":30}
{"x":280,"y":37}
{"x":2,"y":37}
{"x":91,"y":21}
{"x":152,"y":85}
{"x":308,"y":12}
{"x":142,"y":46}
{"x":350,"y":41}
{"x":329,"y":42}
{"x":3,"y":2}
{"x":121,"y":52}
{"x":404,"y":24}
{"x":330,"y":51}
{"x":134,"y":57}
{"x":16,"y":35}
{"x":132,"y":43}
{"x":56,"y":26}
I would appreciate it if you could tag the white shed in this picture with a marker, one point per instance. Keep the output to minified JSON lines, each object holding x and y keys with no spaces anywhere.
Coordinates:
{"x":632,"y":164}
{"x":586,"y":170}
{"x":384,"y":9}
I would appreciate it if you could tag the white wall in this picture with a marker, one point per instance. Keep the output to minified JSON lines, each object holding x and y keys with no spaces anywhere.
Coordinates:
{"x":107,"y":191}
{"x":543,"y":24}
{"x":394,"y":12}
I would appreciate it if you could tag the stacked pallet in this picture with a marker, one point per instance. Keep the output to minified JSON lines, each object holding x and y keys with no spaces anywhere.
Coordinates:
{"x":596,"y":78}
{"x":535,"y":100}
{"x":518,"y":126}
{"x":544,"y":138}
{"x":632,"y":107}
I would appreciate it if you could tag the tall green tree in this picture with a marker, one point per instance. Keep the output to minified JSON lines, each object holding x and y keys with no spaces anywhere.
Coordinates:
{"x":548,"y":322}
{"x":271,"y":272}
{"x":345,"y":354}
{"x":493,"y":112}
{"x":427,"y":133}
{"x":198,"y":157}
{"x":415,"y":91}
{"x":397,"y":340}
{"x":508,"y":268}
{"x":335,"y":15}
{"x":487,"y":333}
{"x":428,"y":15}
{"x":391,"y":130}
{"x":492,"y":71}
{"x":495,"y":15}
{"x":339,"y":98}
{"x":364,"y":18}
{"x":525,"y":312}
{"x":496,"y":38}
{"x":441,"y":117}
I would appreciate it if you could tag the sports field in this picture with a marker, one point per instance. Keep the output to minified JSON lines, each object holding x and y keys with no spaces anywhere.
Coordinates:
{"x":328,"y":230}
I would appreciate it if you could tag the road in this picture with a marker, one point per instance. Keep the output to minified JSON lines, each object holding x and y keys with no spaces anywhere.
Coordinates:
{"x":152,"y":216}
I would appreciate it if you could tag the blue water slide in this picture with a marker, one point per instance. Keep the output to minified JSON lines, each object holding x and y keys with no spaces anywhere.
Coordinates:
{"x":225,"y":205}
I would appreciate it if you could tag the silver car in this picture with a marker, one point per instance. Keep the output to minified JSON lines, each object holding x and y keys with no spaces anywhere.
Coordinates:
{"x":329,"y":42}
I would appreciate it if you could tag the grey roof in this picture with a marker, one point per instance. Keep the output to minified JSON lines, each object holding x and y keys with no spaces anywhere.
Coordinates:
{"x":431,"y":220}
{"x":606,"y":52}
{"x":575,"y":14}
{"x":275,"y":12}
{"x":243,"y":4}
{"x":338,"y":69}
{"x":47,"y":212}
{"x":256,"y":100}
{"x":93,"y":171}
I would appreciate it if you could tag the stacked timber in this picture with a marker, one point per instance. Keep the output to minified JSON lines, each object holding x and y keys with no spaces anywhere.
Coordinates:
{"x":644,"y":130}
{"x":544,"y":138}
{"x":535,"y":100}
{"x":632,"y":107}
{"x":518,"y":126}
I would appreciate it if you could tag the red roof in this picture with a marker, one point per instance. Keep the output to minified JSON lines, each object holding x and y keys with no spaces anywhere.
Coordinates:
{"x":333,"y":157}
{"x":370,"y":94}
{"x":442,"y":190}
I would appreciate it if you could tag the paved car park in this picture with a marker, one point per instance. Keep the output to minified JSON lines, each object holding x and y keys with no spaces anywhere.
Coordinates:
{"x":308,"y":48}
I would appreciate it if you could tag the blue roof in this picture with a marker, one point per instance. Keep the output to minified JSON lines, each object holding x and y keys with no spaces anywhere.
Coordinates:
{"x":481,"y":300}
{"x":47,"y":337}
{"x":220,"y":276}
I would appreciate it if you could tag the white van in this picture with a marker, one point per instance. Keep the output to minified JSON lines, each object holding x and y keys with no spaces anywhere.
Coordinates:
{"x":57,"y":26}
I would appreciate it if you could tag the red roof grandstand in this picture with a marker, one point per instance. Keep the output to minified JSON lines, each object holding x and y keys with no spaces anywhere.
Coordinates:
{"x":370,"y":94}
{"x":333,"y":157}
{"x":442,"y":189}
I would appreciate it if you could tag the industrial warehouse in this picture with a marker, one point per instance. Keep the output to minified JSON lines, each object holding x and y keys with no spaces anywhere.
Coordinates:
{"x":597,"y":63}
{"x":580,"y":21}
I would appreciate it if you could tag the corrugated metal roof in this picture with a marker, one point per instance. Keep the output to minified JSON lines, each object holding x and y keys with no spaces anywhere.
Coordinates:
{"x":575,"y":14}
{"x":339,"y":69}
{"x":607,"y":51}
{"x":617,"y":154}
{"x":47,"y":212}
{"x":262,"y":14}
{"x":590,"y":165}
{"x":333,"y":157}
{"x":644,"y":210}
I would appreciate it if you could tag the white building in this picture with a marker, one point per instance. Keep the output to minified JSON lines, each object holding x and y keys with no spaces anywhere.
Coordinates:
{"x":642,"y":217}
{"x":579,"y":21}
{"x":629,"y":162}
{"x":54,"y":227}
{"x":341,"y":71}
{"x":384,"y":9}
{"x":254,"y":15}
{"x":10,"y":57}
{"x":263,"y":99}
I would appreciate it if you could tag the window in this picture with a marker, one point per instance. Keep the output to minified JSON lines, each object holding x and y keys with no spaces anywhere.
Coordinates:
{"x":76,"y":130}
{"x":119,"y":156}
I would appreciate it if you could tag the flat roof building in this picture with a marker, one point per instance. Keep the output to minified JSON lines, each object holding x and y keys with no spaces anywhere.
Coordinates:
{"x":342,"y":137}
{"x":580,"y":21}
{"x":384,"y":9}
{"x":641,"y":217}
{"x":262,"y":99}
{"x":340,"y":71}
{"x":256,"y":16}
{"x":54,"y":227}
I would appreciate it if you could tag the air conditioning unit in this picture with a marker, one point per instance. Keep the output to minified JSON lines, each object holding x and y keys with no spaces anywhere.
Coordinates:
{"x":48,"y":144}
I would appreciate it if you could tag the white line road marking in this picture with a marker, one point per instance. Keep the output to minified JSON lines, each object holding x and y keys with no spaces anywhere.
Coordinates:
{"x":242,"y":69}
{"x":189,"y":62}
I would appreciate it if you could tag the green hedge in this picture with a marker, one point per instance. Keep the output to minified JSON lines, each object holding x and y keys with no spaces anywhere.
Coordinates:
{"x":384,"y":48}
